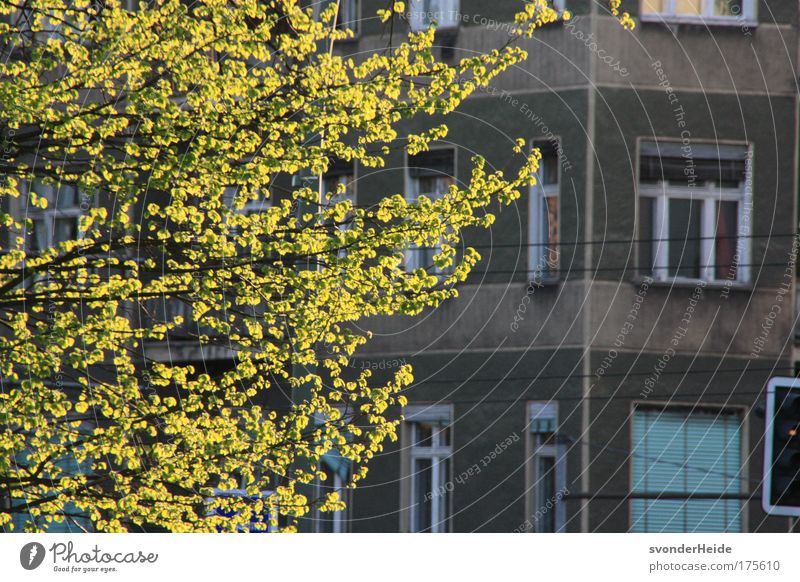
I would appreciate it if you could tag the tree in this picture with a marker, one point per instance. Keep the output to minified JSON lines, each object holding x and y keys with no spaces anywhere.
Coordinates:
{"x":166,"y":122}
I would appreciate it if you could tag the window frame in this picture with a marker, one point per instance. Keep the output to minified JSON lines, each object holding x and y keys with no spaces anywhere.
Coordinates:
{"x":537,"y":238}
{"x":350,"y":180}
{"x":539,"y":447}
{"x":709,"y":194}
{"x":339,"y":519}
{"x":740,"y":411}
{"x":748,"y":17}
{"x":320,"y":5}
{"x":414,"y":255}
{"x":52,"y":213}
{"x":439,"y":454}
{"x":418,"y":22}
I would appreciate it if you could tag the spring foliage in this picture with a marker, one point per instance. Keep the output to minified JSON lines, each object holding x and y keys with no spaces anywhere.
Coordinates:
{"x":169,"y":120}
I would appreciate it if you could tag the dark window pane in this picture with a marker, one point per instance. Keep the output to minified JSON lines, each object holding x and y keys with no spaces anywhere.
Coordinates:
{"x":423,"y":477}
{"x":326,"y":486}
{"x":646,"y":208}
{"x":684,"y":237}
{"x":546,"y":488}
{"x":67,"y":197}
{"x":680,"y":171}
{"x":726,"y":240}
{"x":432,"y":163}
{"x":444,"y":479}
{"x":548,"y":165}
{"x":434,"y":186}
{"x":65,"y":229}
{"x":444,"y":437}
{"x":39,"y":235}
{"x":423,"y":434}
{"x":548,"y":169}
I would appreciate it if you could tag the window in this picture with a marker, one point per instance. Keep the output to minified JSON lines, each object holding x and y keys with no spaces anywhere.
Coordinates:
{"x":231,"y":195}
{"x":57,"y":223}
{"x":546,"y":469}
{"x":423,"y":13}
{"x":683,"y":451}
{"x":430,"y":174}
{"x":21,"y":22}
{"x":73,"y":520}
{"x":543,"y":216}
{"x":694,"y":211}
{"x":337,"y":472}
{"x":347,"y":18}
{"x":66,"y":467}
{"x":340,"y":176}
{"x":428,"y":436}
{"x":709,"y":11}
{"x":558,"y":5}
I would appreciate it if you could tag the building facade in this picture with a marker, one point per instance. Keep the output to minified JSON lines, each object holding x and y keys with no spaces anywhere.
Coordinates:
{"x":603,"y":369}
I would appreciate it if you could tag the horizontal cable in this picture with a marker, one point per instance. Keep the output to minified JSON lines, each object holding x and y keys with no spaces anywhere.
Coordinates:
{"x":614,"y":375}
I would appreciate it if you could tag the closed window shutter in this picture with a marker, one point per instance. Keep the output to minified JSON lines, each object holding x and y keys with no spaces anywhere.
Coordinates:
{"x":686,"y":452}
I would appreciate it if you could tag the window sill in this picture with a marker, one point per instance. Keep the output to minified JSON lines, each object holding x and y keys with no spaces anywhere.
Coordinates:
{"x":692,"y":283}
{"x":553,"y":281}
{"x":716,"y":21}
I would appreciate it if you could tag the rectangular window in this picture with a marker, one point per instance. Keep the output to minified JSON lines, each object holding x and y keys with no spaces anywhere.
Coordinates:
{"x":423,"y":13}
{"x":694,"y":211}
{"x":66,"y":467}
{"x":338,"y":185}
{"x":546,"y":469}
{"x":430,"y":174}
{"x":677,"y":452}
{"x":57,"y":223}
{"x":337,"y":473}
{"x":347,"y":18}
{"x":707,"y":11}
{"x":428,"y":484}
{"x":543,"y":232}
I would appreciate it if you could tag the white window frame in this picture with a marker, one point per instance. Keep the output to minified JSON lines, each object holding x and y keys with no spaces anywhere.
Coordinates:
{"x":709,"y":194}
{"x":748,"y":17}
{"x":421,"y":14}
{"x":414,"y":255}
{"x":540,"y":448}
{"x":537,"y":240}
{"x":441,"y":459}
